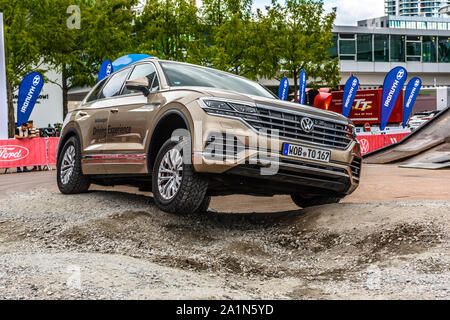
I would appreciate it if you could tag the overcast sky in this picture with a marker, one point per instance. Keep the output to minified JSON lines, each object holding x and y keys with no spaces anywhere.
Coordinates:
{"x":349,"y":11}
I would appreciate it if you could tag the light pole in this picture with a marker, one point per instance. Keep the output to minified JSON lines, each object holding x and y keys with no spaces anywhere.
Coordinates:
{"x":3,"y":95}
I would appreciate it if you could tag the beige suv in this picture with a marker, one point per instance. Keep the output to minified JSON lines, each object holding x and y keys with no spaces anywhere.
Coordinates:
{"x":187,"y":133}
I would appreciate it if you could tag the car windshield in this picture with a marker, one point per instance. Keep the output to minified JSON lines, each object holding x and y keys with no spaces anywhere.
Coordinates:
{"x":181,"y":75}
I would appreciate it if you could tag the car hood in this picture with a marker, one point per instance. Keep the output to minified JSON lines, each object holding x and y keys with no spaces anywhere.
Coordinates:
{"x":227,"y":94}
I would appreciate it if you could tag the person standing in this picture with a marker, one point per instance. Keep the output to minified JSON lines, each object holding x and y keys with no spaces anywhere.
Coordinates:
{"x":22,"y":132}
{"x":34,"y":133}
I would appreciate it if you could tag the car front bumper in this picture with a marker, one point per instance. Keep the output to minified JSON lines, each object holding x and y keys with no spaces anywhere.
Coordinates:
{"x":247,"y":153}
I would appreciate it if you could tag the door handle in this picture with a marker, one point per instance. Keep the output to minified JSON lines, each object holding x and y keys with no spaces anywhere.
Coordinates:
{"x":114,"y":110}
{"x":82,"y":114}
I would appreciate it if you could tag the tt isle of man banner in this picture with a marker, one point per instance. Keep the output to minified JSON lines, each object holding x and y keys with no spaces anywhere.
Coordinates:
{"x":302,"y":87}
{"x":350,"y":90}
{"x":29,"y":91}
{"x":392,"y":86}
{"x":283,"y":89}
{"x":105,"y":70}
{"x":411,"y":93}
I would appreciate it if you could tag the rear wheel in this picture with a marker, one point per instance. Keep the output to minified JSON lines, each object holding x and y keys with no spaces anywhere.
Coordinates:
{"x":305,"y":202}
{"x":69,"y":175}
{"x":177,"y":188}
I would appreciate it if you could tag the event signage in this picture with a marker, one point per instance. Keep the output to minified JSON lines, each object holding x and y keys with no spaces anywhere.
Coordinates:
{"x":302,"y":87}
{"x":3,"y":95}
{"x":411,"y":93}
{"x":392,"y":86}
{"x":283,"y":89}
{"x":350,"y":90}
{"x":13,"y":153}
{"x":29,"y":91}
{"x":105,"y":70}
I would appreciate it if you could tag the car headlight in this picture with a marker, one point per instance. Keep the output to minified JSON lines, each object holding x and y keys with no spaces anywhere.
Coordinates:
{"x":218,"y":107}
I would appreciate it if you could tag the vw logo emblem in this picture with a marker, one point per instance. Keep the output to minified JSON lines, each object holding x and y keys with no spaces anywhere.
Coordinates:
{"x":307,"y":124}
{"x":365,"y":146}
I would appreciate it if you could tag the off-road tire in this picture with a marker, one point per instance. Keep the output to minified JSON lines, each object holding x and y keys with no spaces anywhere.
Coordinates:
{"x":204,"y":206}
{"x":78,"y":182}
{"x":192,"y":190}
{"x":303,"y":202}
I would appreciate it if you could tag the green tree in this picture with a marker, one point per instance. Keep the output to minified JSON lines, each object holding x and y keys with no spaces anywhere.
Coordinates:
{"x":306,"y":36}
{"x":23,"y":46}
{"x":105,"y":32}
{"x":245,"y":44}
{"x":168,"y":29}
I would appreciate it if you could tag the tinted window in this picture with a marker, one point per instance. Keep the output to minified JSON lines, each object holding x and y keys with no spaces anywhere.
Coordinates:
{"x":94,"y":94}
{"x":114,"y":85}
{"x":142,"y":71}
{"x":179,"y":74}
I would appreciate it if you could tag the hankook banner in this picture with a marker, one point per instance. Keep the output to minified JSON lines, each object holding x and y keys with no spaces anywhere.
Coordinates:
{"x":283,"y":89}
{"x":29,"y":91}
{"x":392,"y":86}
{"x":350,"y":90}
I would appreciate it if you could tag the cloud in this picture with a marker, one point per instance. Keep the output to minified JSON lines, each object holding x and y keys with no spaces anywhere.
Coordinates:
{"x":351,"y":11}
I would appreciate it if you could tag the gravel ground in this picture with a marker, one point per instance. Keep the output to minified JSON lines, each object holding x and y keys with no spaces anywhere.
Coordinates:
{"x":108,"y":244}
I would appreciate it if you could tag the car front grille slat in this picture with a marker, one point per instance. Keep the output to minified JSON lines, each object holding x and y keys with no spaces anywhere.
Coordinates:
{"x":355,"y":167}
{"x":287,"y":123}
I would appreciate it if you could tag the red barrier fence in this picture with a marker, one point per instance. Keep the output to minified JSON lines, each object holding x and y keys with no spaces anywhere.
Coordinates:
{"x":42,"y":151}
{"x":374,"y":142}
{"x":28,"y":152}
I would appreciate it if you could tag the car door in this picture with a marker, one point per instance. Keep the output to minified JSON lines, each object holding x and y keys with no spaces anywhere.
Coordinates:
{"x":93,"y":121}
{"x":128,"y":127}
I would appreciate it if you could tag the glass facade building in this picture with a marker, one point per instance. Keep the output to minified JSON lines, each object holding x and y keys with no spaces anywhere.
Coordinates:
{"x":379,"y":47}
{"x":409,"y":8}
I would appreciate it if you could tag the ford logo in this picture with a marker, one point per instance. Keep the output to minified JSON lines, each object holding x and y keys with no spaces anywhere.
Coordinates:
{"x":13,"y":153}
{"x":307,"y":124}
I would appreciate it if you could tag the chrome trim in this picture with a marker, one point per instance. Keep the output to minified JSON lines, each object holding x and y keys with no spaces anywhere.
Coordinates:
{"x":344,"y":146}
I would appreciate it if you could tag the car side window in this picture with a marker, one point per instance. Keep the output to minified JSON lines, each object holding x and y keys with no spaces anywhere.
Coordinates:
{"x":114,"y":85}
{"x":140,"y":71}
{"x":94,"y":94}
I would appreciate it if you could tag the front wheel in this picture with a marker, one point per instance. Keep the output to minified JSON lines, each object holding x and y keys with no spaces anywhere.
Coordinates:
{"x":69,"y":175}
{"x":305,"y":202}
{"x":177,"y":188}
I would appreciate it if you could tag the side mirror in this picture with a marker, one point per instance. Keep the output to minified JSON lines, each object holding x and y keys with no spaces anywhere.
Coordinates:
{"x":139,"y":84}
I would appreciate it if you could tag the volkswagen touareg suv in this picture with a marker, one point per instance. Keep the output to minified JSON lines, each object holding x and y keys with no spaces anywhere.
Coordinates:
{"x":187,"y":133}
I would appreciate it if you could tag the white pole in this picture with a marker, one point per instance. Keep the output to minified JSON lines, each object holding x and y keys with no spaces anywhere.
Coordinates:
{"x":3,"y":96}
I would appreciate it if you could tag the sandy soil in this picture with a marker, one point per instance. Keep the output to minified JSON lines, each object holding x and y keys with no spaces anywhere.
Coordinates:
{"x":113,"y":243}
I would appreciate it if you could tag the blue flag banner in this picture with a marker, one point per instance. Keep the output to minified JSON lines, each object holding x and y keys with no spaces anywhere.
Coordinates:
{"x":105,"y":70}
{"x":350,"y":90}
{"x":411,"y":93}
{"x":29,"y":91}
{"x":392,"y":86}
{"x":128,"y":59}
{"x":283,"y":89}
{"x":302,"y":87}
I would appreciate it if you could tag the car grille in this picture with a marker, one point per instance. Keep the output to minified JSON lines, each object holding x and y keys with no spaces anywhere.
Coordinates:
{"x":220,"y":147}
{"x":325,"y":133}
{"x":356,"y":168}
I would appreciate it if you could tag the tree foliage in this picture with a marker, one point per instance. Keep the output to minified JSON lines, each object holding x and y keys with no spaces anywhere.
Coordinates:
{"x":279,"y":41}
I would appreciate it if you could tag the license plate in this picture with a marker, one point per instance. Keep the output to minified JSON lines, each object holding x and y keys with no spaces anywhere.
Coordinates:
{"x":306,"y":152}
